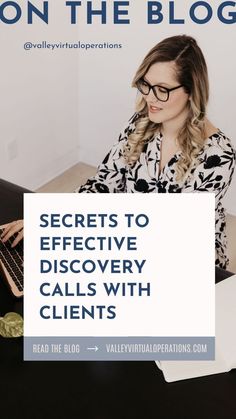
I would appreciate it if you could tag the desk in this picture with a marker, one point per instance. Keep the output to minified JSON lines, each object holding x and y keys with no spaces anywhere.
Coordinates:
{"x":99,"y":390}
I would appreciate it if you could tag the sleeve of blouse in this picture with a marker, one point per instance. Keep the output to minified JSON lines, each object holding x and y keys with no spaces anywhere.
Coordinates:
{"x":215,"y":170}
{"x":111,"y":173}
{"x":214,"y":174}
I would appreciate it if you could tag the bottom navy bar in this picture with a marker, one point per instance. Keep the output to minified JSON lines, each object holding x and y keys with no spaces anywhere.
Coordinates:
{"x":118,"y":348}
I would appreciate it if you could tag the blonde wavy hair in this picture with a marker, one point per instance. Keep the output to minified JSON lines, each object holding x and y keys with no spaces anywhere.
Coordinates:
{"x":192,"y":74}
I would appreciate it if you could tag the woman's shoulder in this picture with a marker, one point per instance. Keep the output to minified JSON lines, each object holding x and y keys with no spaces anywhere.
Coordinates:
{"x":218,"y":151}
{"x":217,"y":139}
{"x":219,"y":142}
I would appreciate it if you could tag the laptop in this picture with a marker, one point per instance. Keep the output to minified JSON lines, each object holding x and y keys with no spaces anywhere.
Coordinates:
{"x":11,"y":265}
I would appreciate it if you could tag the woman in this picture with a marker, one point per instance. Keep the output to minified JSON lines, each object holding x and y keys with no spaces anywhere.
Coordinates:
{"x":169,"y":144}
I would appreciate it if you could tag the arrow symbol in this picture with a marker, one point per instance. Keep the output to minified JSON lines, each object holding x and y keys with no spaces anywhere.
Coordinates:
{"x":93,"y":349}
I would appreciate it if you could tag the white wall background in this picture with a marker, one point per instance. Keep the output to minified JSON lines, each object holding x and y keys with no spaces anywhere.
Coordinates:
{"x":39,"y":99}
{"x":70,"y":106}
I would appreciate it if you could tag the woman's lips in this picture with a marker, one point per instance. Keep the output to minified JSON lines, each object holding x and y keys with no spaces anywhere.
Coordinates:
{"x":154,"y":109}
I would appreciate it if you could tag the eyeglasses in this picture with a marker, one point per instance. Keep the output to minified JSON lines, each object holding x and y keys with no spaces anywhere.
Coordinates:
{"x":160,"y":92}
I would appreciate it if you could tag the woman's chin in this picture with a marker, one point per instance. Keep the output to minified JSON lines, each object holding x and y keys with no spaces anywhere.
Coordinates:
{"x":155,"y":117}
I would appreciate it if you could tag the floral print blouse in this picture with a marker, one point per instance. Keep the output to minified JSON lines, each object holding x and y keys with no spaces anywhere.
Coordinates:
{"x":212,"y":173}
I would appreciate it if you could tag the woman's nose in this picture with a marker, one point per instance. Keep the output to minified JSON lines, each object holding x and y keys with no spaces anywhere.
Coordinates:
{"x":151,"y":95}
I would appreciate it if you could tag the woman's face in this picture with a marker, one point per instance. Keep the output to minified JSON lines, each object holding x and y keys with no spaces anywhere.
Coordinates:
{"x":175,"y":109}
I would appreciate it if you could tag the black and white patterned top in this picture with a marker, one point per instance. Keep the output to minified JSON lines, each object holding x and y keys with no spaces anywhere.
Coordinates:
{"x":212,"y":173}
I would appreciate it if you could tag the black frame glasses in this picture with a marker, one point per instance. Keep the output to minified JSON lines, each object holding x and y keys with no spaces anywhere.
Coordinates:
{"x":162,"y":89}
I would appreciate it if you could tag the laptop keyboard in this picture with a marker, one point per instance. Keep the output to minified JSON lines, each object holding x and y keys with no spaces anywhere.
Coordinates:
{"x":12,"y":259}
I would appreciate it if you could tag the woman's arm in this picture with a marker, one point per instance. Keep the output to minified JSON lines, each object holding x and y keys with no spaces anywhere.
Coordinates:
{"x":215,"y":170}
{"x":214,"y":174}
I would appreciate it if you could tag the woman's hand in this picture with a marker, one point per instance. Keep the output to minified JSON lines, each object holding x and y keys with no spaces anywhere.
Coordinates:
{"x":12,"y":228}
